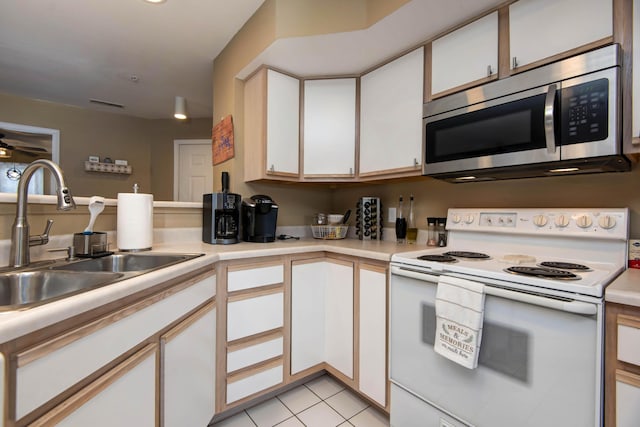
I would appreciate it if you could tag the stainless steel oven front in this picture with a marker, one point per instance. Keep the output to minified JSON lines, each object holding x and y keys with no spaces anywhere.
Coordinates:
{"x":562,"y":116}
{"x":539,"y":362}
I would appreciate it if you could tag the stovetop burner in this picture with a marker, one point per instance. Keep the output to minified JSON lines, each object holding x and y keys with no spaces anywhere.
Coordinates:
{"x":564,"y":265}
{"x":438,"y":258}
{"x":467,"y":254}
{"x":543,"y":272}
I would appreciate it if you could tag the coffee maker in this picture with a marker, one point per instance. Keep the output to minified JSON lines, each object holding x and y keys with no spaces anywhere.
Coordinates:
{"x":259,"y":218}
{"x":221,"y":215}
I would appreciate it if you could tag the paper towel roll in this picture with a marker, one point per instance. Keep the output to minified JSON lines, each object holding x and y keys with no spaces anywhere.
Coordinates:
{"x":135,"y":221}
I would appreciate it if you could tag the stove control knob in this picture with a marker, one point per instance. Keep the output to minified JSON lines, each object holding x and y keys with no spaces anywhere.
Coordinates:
{"x":469,"y":219}
{"x":607,"y":222}
{"x":584,"y":221}
{"x":455,"y":218}
{"x":540,"y":220}
{"x":562,"y":221}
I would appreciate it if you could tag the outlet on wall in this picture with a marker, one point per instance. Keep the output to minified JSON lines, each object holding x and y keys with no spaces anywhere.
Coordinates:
{"x":392,"y":215}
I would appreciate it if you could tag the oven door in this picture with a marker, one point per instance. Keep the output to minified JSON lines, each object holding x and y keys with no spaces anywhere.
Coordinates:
{"x":539,"y":362}
{"x":507,"y":131}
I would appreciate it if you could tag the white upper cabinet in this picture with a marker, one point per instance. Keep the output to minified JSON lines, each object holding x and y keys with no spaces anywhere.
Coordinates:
{"x":272,"y":124}
{"x":539,"y":29}
{"x":391,"y":99}
{"x":283,"y":118}
{"x":466,"y":55}
{"x":329,"y":127}
{"x":636,"y":72}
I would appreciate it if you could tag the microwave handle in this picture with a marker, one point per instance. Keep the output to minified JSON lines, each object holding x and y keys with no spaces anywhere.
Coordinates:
{"x":549,"y":125}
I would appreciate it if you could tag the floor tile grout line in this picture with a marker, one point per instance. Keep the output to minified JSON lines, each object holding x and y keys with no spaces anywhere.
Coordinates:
{"x":249,"y":415}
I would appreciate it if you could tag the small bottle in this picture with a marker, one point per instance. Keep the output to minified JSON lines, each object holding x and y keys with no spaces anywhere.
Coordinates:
{"x":442,"y":231}
{"x":412,"y":230}
{"x":432,"y":238}
{"x":401,"y":224}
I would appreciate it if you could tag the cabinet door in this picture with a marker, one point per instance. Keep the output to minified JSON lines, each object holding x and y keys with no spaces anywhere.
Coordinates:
{"x":636,"y":72}
{"x":539,"y":29}
{"x":283,"y":123}
{"x":372,"y":353}
{"x":189,"y":356}
{"x":329,"y":127}
{"x":339,"y":317}
{"x":308,"y":303}
{"x":124,"y":396}
{"x":271,"y":126}
{"x":391,"y":99}
{"x":627,"y":399}
{"x":469,"y":54}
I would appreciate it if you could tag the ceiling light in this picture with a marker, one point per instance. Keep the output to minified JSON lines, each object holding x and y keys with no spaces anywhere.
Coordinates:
{"x":4,"y":153}
{"x":180,"y":110}
{"x":155,"y":1}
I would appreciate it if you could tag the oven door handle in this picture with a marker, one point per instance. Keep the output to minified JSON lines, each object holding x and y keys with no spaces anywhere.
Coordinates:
{"x":549,"y":125}
{"x":577,"y":307}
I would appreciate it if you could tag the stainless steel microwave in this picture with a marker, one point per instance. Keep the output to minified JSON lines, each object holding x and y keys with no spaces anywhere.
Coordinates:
{"x":562,"y":118}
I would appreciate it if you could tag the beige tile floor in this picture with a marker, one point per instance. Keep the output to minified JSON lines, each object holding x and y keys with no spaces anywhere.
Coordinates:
{"x":321,"y":402}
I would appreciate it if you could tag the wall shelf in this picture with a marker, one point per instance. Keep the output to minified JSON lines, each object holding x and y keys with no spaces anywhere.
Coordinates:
{"x":107,"y":168}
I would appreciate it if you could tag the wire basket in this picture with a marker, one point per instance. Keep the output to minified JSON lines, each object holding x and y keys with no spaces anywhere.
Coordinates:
{"x":329,"y":232}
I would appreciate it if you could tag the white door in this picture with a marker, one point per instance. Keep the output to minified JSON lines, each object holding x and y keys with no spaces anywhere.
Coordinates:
{"x":193,"y":169}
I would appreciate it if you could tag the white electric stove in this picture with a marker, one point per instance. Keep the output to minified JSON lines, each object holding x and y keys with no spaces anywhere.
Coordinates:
{"x":540,"y":363}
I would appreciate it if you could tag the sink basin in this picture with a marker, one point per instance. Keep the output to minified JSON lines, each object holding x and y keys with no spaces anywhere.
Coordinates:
{"x":40,"y":283}
{"x":125,"y":263}
{"x":28,"y":288}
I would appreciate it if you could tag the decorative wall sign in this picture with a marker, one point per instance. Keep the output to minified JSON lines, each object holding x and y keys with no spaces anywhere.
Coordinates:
{"x":222,"y":140}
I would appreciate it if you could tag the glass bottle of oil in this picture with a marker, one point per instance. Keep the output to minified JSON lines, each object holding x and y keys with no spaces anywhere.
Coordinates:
{"x":412,"y":230}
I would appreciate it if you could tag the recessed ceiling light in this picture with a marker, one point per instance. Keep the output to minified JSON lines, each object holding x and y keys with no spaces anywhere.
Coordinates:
{"x":155,"y":1}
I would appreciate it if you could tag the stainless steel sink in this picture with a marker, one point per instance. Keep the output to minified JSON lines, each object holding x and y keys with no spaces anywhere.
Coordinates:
{"x":124,"y":263}
{"x":42,"y":283}
{"x":29,"y":288}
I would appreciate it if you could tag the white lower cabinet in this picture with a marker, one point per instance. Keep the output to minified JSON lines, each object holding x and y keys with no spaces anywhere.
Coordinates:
{"x":188,"y":368}
{"x":372,"y":352}
{"x":255,"y":319}
{"x":83,"y":368}
{"x":627,"y":399}
{"x":126,"y":395}
{"x":322,"y":315}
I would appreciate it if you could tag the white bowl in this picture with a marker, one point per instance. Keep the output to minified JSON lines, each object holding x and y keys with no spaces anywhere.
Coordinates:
{"x":335,"y":218}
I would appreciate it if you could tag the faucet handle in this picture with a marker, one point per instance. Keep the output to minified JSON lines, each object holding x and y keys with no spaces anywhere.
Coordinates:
{"x":43,"y":238}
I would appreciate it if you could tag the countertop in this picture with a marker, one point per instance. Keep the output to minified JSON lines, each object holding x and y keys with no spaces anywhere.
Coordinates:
{"x":20,"y":322}
{"x":625,"y":289}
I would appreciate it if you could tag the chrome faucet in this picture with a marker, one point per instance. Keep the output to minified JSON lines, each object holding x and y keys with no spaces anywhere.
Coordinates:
{"x":20,"y":239}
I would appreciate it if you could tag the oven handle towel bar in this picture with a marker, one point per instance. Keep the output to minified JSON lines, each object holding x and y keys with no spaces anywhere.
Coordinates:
{"x":577,"y":307}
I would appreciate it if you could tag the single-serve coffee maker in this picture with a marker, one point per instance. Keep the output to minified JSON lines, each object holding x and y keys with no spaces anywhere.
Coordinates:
{"x":221,"y":215}
{"x":259,"y":218}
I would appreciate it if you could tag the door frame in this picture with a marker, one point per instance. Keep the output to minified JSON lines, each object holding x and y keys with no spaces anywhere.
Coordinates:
{"x":176,"y":159}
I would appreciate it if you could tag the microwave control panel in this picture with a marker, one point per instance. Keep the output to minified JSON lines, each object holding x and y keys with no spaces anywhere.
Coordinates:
{"x":585,"y":111}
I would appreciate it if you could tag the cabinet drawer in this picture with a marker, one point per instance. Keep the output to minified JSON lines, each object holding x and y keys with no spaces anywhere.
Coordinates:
{"x":253,"y":354}
{"x":254,"y":315}
{"x":248,"y":278}
{"x":255,"y":383}
{"x":47,"y":370}
{"x":629,"y":339}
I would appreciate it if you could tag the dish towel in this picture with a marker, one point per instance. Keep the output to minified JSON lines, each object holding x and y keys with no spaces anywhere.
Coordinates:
{"x":459,"y":317}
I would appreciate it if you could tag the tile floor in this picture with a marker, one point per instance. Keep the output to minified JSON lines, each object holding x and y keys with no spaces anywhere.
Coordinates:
{"x":321,"y":402}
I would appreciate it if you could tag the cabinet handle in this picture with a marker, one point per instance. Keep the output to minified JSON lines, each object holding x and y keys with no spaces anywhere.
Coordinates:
{"x":514,"y":62}
{"x":272,"y":169}
{"x":415,"y":163}
{"x":351,"y":171}
{"x":489,"y":71}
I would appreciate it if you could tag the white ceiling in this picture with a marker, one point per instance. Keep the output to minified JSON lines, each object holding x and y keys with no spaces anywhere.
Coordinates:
{"x":71,"y":51}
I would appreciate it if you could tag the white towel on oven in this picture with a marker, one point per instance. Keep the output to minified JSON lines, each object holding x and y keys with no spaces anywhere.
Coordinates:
{"x":459,"y":317}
